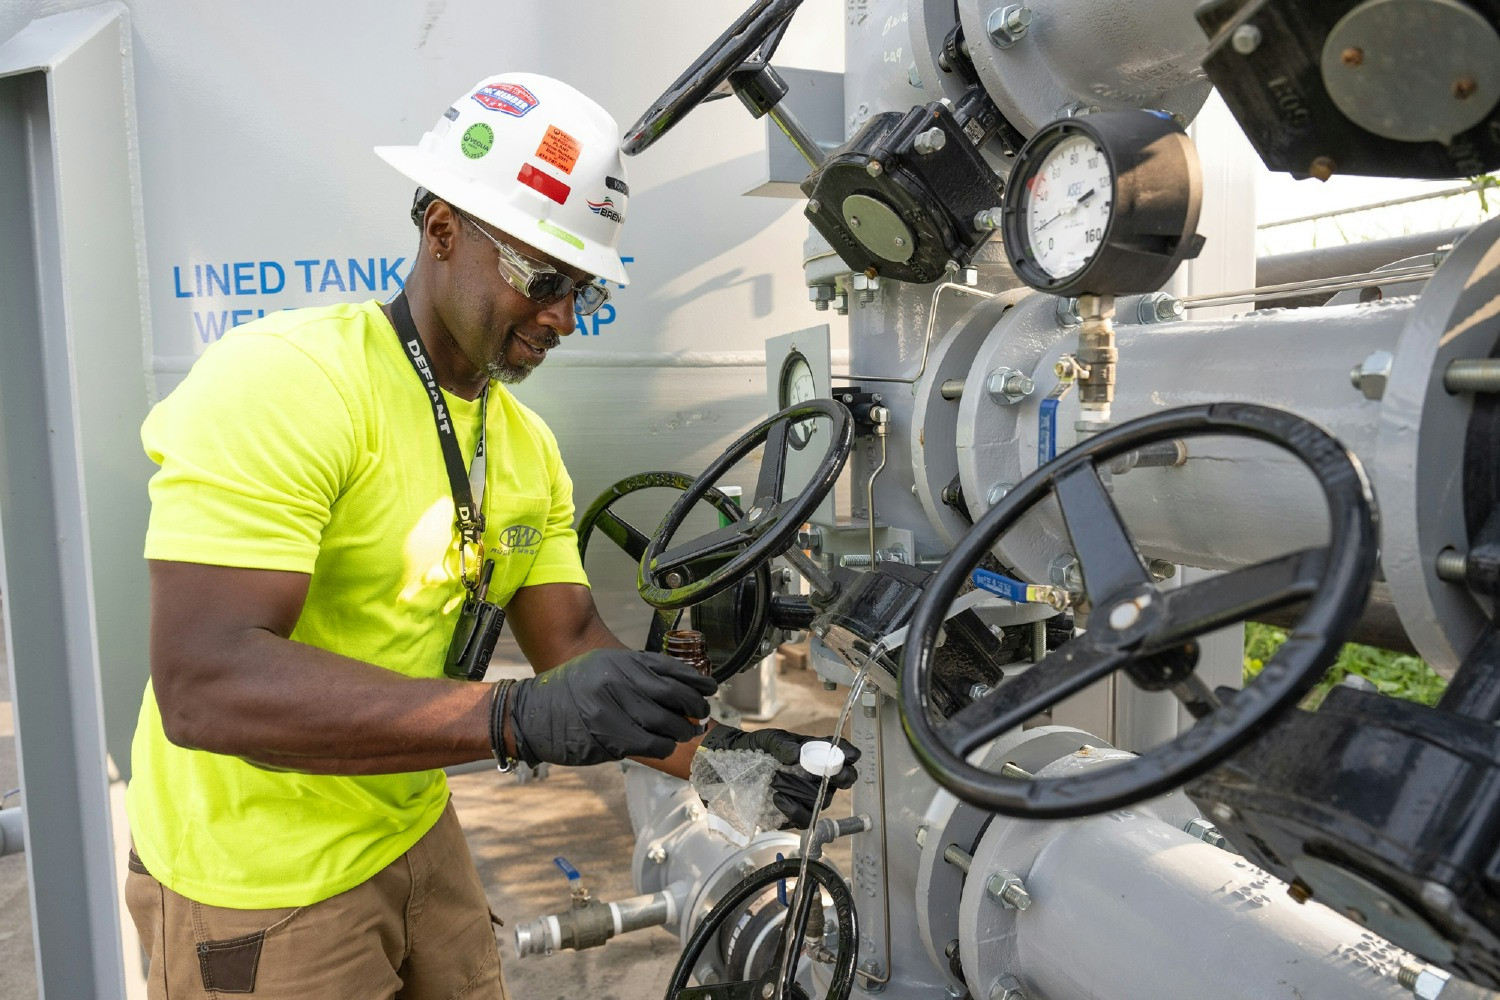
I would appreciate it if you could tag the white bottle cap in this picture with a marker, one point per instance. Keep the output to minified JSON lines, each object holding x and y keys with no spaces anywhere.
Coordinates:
{"x":821,"y":758}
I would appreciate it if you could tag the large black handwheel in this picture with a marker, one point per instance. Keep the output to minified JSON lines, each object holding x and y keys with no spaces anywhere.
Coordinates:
{"x":713,"y":923}
{"x":758,"y":28}
{"x":755,"y":592}
{"x":770,"y":523}
{"x":1146,"y":632}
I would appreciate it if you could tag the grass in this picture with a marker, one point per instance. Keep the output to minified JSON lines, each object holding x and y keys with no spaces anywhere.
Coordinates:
{"x":1394,"y":674}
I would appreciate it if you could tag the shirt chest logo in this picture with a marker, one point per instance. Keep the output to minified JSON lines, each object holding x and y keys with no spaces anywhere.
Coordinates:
{"x":519,"y":540}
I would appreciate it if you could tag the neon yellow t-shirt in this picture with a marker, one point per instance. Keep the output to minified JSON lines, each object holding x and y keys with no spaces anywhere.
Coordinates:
{"x":305,"y":442}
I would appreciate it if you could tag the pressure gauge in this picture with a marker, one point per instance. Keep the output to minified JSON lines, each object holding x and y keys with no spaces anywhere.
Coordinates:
{"x":1103,"y":204}
{"x":797,"y":386}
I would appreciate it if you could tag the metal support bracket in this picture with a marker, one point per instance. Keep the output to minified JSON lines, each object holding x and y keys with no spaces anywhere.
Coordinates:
{"x":73,"y":478}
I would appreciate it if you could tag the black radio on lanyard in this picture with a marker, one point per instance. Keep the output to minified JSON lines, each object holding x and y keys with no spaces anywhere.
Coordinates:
{"x":480,"y":621}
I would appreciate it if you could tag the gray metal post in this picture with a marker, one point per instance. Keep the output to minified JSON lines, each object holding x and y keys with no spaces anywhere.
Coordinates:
{"x":72,"y":476}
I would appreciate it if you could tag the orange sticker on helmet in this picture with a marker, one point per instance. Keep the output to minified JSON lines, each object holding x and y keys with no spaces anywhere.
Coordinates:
{"x":559,"y":149}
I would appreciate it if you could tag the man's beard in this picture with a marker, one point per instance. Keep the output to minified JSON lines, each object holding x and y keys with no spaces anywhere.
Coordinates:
{"x":506,"y":373}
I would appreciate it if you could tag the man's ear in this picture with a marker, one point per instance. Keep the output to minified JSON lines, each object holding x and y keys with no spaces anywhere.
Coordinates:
{"x":440,"y":229}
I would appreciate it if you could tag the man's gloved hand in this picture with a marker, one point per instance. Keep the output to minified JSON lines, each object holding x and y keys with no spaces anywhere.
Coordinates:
{"x":794,"y":791}
{"x":607,"y":704}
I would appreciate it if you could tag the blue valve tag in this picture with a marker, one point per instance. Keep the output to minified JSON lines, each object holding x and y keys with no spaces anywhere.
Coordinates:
{"x":1004,"y":586}
{"x":1046,"y":432}
{"x":1046,"y":426}
{"x":567,"y":869}
{"x":781,"y":885}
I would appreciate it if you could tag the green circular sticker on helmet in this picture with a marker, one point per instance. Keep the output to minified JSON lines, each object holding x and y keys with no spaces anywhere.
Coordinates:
{"x":478,"y":140}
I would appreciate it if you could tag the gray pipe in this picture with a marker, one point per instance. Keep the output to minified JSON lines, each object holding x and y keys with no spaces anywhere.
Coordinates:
{"x":12,"y":831}
{"x":1189,"y":919}
{"x":1356,"y":258}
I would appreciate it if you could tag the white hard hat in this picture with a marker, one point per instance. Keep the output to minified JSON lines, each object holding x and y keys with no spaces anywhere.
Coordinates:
{"x":534,"y":158}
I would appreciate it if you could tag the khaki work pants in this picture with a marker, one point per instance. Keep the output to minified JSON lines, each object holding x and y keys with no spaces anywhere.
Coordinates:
{"x":418,"y":930}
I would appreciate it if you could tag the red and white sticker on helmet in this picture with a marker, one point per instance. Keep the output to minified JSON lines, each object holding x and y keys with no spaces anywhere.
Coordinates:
{"x":559,"y":149}
{"x":545,"y":183}
{"x":507,"y":98}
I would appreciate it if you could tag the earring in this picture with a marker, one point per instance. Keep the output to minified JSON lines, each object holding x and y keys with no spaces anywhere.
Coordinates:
{"x":438,"y":254}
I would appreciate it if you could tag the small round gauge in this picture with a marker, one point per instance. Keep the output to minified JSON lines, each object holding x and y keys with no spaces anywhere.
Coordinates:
{"x":1104,"y":203}
{"x":798,"y":386}
{"x":1069,"y":207}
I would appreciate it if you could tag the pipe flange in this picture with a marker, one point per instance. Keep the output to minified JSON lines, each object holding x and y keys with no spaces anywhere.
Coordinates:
{"x":1009,"y":847}
{"x":948,"y":820}
{"x":1069,"y":56}
{"x":933,"y":440}
{"x":1420,"y":480}
{"x":996,"y":444}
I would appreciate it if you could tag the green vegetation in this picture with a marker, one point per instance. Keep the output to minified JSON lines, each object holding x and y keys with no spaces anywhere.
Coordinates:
{"x":1395,"y":674}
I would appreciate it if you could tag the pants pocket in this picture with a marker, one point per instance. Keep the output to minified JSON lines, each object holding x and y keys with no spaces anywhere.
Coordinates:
{"x":230,"y":966}
{"x":229,"y":943}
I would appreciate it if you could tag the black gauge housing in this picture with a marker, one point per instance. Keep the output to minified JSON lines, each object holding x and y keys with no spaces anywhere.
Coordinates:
{"x":1156,"y":194}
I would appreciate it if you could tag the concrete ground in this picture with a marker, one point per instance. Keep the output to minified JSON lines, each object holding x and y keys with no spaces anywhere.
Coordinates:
{"x":514,"y":831}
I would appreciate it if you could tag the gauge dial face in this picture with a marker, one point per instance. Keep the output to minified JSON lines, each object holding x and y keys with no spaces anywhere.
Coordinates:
{"x":798,"y":386}
{"x":1069,"y":199}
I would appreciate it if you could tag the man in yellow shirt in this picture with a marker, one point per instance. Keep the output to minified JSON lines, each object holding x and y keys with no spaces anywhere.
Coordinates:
{"x":346,"y":496}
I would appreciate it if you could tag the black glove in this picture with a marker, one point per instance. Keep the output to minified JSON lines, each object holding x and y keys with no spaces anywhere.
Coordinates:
{"x":794,"y":791}
{"x":606,"y":705}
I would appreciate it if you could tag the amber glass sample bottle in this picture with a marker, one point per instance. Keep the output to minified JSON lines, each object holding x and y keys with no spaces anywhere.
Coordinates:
{"x":688,"y":646}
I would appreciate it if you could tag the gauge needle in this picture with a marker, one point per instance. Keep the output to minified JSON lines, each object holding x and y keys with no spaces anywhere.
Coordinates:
{"x":1070,"y":209}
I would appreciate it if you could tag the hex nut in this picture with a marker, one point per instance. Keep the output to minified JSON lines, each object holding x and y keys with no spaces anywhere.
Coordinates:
{"x":1007,"y":988}
{"x":1372,"y":374}
{"x":1008,"y":25}
{"x":1007,"y":889}
{"x":930,"y":141}
{"x":1008,"y":386}
{"x":998,"y":492}
{"x":1160,"y":307}
{"x":1205,"y":831}
{"x":1065,"y":572}
{"x":1430,"y":983}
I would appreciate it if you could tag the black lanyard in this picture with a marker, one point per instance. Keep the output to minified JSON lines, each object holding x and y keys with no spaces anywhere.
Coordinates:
{"x":468,"y":485}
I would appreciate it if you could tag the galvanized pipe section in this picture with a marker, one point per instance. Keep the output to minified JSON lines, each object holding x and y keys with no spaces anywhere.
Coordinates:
{"x":592,"y":925}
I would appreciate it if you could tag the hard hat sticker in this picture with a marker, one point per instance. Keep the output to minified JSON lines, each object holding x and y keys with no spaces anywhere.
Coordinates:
{"x":606,"y":208}
{"x":478,"y":140}
{"x":545,"y":183}
{"x":616,"y":184}
{"x":560,"y":233}
{"x":508,"y":98}
{"x":559,"y":149}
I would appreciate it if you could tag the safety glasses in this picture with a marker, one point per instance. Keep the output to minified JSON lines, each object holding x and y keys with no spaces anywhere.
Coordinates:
{"x":543,"y":283}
